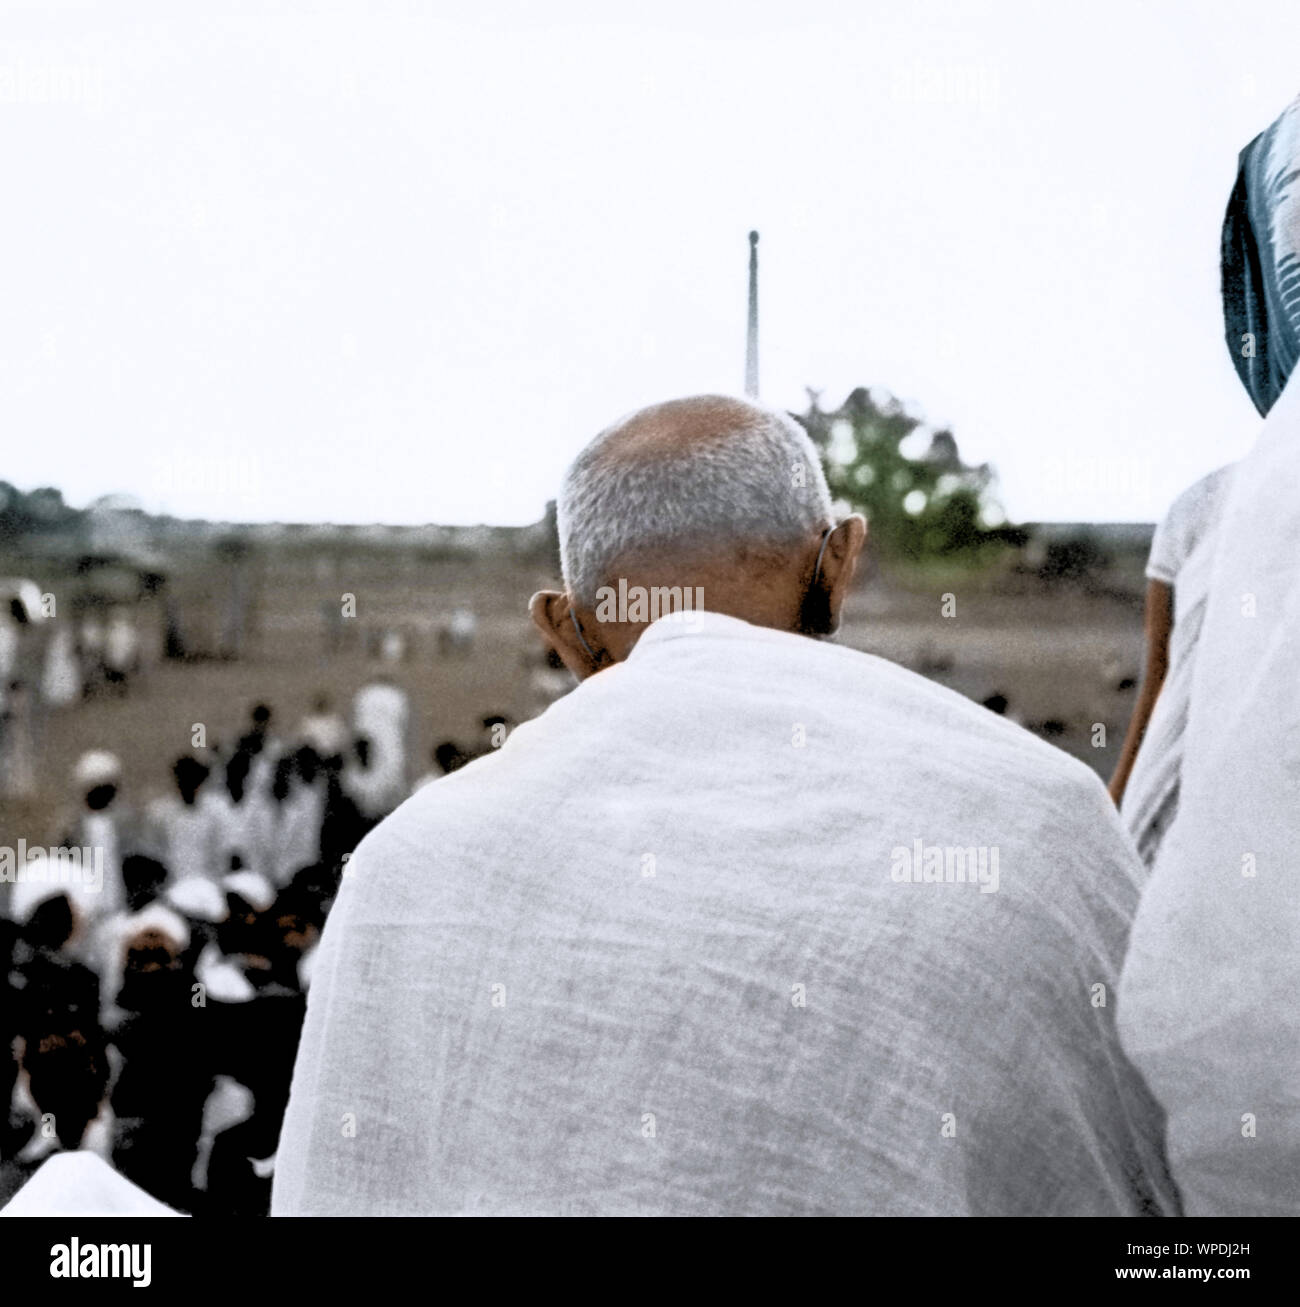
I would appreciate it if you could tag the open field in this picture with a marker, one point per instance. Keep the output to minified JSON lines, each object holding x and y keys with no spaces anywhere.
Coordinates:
{"x":1056,"y":653}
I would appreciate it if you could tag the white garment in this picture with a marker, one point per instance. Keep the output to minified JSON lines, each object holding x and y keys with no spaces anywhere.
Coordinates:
{"x":324,"y":732}
{"x":463,"y":625}
{"x":19,"y":744}
{"x":246,"y":829}
{"x":307,"y":967}
{"x":1208,"y":1003}
{"x":61,"y":672}
{"x":381,"y":713}
{"x":650,"y":957}
{"x":120,"y":643}
{"x":10,"y":639}
{"x":1182,"y":556}
{"x":261,"y":772}
{"x":100,"y":830}
{"x":1192,"y":517}
{"x":370,"y":790}
{"x":297,"y":828}
{"x":188,"y":835}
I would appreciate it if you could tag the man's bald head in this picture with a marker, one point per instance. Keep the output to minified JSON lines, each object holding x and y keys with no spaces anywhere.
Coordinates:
{"x":706,"y":477}
{"x":716,"y":500}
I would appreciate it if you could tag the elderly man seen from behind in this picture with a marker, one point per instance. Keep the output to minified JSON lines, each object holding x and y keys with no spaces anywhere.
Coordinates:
{"x":748,"y":923}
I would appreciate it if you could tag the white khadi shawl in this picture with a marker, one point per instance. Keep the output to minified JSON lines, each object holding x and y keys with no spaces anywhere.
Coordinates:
{"x":1210,"y":1001}
{"x":657,"y":956}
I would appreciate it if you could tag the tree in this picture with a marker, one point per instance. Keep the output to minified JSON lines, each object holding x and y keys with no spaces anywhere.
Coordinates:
{"x":919,"y":503}
{"x":39,"y":510}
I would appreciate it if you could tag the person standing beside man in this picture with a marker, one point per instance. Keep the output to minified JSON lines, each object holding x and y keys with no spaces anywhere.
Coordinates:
{"x":1208,"y":1007}
{"x":1145,"y":782}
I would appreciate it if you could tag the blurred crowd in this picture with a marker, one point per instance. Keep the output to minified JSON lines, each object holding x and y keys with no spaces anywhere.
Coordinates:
{"x":156,"y":963}
{"x":52,"y":668}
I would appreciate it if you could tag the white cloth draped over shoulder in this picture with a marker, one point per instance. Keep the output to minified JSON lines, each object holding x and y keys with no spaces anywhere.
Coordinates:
{"x":655,"y":955}
{"x":1208,"y":1005}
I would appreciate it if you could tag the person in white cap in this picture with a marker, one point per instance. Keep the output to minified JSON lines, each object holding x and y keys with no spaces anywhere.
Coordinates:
{"x":52,"y":1019}
{"x":53,"y":978}
{"x":103,"y":824}
{"x":168,"y":1048}
{"x":143,"y":879}
{"x":323,"y":729}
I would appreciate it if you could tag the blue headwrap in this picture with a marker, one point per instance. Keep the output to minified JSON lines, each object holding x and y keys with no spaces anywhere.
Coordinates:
{"x":1261,"y":261}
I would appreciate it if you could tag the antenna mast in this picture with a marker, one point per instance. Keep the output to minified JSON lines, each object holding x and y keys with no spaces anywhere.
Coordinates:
{"x":751,"y":338}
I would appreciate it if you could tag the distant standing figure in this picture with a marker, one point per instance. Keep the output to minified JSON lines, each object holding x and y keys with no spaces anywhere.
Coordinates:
{"x":90,"y":641}
{"x":245,"y":818}
{"x":299,"y":791}
{"x":187,"y":825}
{"x":323,"y":730}
{"x":10,"y":638}
{"x":381,"y":714}
{"x":392,"y":647}
{"x":121,"y":651}
{"x":363,"y":784}
{"x":1145,"y":783}
{"x":103,"y":823}
{"x":18,"y":742}
{"x":263,"y":748}
{"x":331,"y":628}
{"x":457,"y":636}
{"x":61,"y":673}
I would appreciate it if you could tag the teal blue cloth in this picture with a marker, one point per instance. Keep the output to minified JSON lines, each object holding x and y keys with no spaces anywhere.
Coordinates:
{"x":1260,"y":264}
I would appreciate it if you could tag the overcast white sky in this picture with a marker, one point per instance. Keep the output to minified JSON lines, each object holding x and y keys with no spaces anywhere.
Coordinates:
{"x":368,"y":262}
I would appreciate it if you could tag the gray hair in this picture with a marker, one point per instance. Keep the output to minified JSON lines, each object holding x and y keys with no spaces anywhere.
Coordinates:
{"x":707,"y":472}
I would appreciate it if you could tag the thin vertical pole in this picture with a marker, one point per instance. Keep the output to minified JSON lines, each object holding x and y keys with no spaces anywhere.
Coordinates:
{"x":751,"y":339}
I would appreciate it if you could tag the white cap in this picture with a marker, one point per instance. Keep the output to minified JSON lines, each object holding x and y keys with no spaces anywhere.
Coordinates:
{"x":28,"y":895}
{"x":157,"y":916}
{"x":325,"y":733}
{"x":252,"y":888}
{"x":198,"y":897}
{"x":96,"y":767}
{"x":222,"y":979}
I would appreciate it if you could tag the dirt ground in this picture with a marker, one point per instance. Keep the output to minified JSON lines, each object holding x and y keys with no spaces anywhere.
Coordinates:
{"x":1057,"y":654}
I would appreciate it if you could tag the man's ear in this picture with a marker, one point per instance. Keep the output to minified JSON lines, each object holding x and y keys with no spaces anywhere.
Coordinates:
{"x":550,"y":611}
{"x":840,"y":561}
